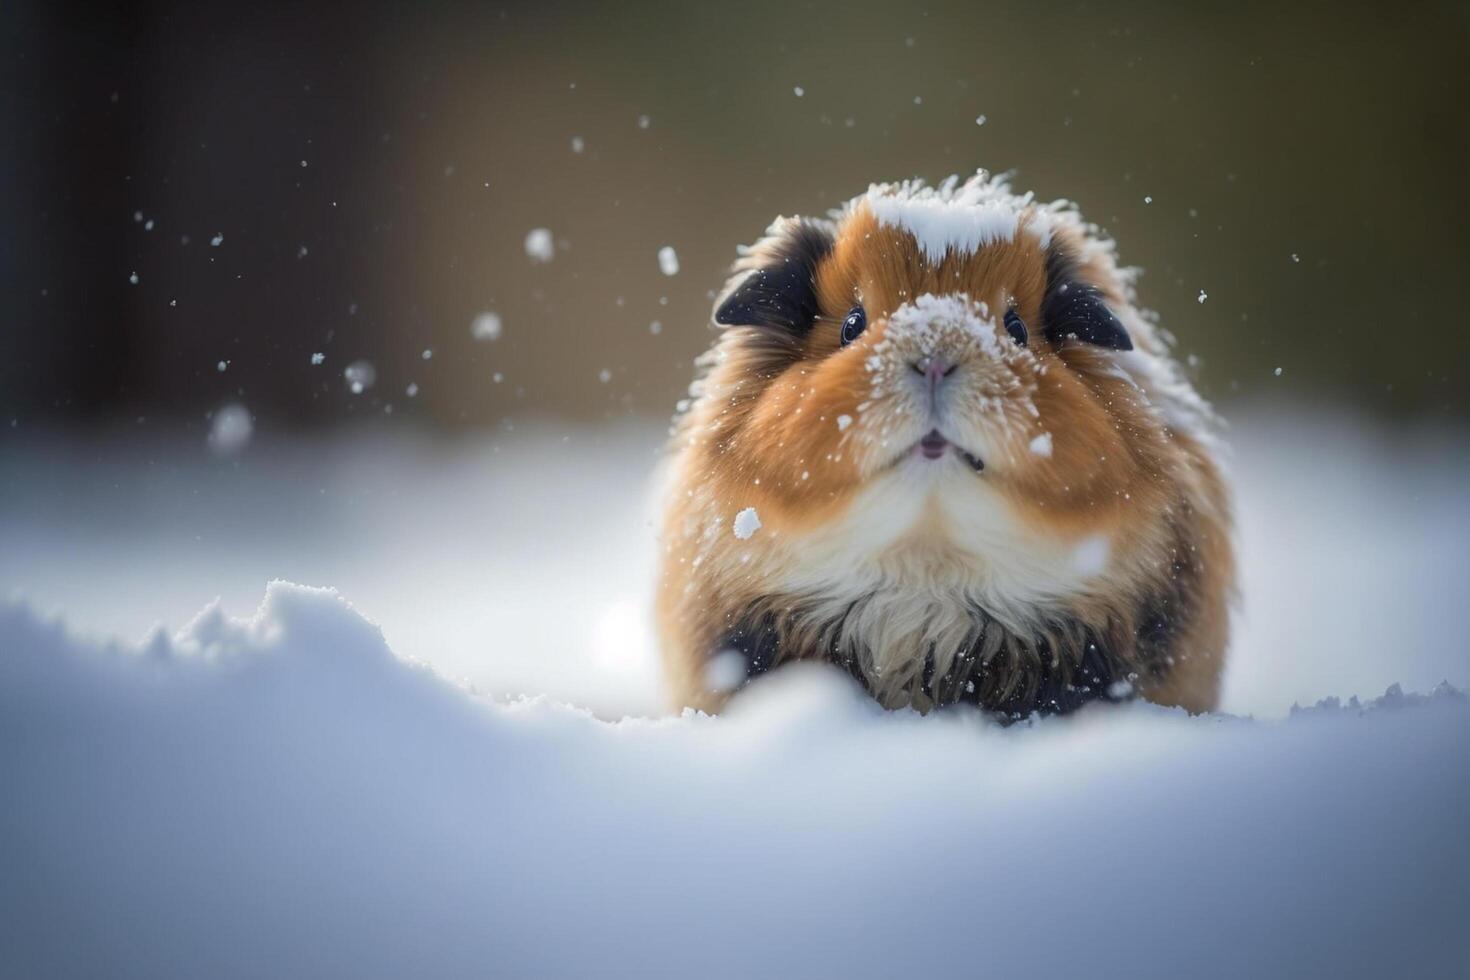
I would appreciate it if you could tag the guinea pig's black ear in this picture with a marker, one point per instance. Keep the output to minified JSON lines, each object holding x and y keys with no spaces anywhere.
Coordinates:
{"x":775,"y":283}
{"x":1075,"y":308}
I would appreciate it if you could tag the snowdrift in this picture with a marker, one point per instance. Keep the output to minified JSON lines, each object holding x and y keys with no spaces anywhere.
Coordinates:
{"x":283,"y":796}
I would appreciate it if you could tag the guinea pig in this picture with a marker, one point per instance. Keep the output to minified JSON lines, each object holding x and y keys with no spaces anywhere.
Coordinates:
{"x":937,"y":444}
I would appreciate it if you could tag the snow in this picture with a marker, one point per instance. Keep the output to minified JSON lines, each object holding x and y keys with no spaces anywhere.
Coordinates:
{"x":928,"y":314}
{"x":297,"y":793}
{"x":360,"y":376}
{"x":1203,"y":296}
{"x":1090,"y":557}
{"x":318,"y":358}
{"x":486,"y":326}
{"x":725,"y":671}
{"x":747,"y":522}
{"x":1041,"y":445}
{"x":668,"y":261}
{"x":217,"y":240}
{"x":962,"y":217}
{"x":539,"y":245}
{"x":843,"y":421}
{"x":282,"y":795}
{"x":230,"y":429}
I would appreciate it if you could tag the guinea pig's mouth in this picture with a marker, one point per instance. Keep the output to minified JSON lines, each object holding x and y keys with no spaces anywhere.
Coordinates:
{"x":934,"y":446}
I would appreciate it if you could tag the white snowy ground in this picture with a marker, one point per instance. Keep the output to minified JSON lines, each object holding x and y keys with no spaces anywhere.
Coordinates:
{"x":286,"y":795}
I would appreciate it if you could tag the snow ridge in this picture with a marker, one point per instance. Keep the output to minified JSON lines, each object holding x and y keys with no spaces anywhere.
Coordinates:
{"x":283,"y":796}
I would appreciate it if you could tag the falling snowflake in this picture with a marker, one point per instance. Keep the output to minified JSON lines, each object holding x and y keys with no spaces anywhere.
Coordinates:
{"x":230,"y":430}
{"x":747,"y":522}
{"x":486,"y":326}
{"x":539,"y":245}
{"x":360,"y":376}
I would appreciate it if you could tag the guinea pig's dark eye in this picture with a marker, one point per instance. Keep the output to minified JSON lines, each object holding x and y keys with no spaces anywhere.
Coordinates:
{"x":1016,"y":327}
{"x":853,"y":325}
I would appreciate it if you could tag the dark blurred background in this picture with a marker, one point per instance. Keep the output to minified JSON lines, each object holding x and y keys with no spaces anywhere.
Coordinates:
{"x":373,"y":173}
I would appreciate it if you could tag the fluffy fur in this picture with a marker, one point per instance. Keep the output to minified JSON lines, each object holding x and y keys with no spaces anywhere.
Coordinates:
{"x":1070,"y":540}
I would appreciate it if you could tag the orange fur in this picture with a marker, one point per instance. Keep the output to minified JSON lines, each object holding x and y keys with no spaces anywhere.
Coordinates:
{"x":763,"y":432}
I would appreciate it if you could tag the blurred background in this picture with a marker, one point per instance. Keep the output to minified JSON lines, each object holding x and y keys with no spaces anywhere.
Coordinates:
{"x":371,"y":295}
{"x":372,"y":172}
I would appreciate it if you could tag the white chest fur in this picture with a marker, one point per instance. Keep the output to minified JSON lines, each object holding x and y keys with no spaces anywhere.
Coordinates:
{"x":936,"y":531}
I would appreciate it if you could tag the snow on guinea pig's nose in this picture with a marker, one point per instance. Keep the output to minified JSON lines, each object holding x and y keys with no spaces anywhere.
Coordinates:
{"x":934,"y":321}
{"x":953,"y":329}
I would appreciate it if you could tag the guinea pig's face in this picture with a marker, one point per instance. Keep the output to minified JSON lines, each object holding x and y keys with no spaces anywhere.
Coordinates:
{"x":930,"y":365}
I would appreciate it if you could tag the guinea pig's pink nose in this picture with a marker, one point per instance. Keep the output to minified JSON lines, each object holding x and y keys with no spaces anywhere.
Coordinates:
{"x":934,"y":367}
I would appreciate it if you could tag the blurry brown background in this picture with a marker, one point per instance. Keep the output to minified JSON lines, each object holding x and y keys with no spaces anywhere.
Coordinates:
{"x":374,"y":172}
